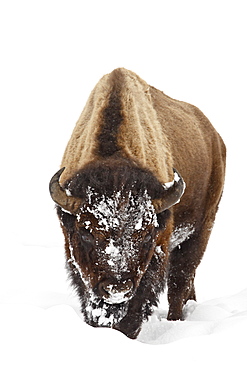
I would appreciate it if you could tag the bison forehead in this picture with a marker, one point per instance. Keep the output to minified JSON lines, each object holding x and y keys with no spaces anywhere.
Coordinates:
{"x":129,"y":211}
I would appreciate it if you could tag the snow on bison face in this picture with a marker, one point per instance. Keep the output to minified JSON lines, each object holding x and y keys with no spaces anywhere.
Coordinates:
{"x":109,"y":247}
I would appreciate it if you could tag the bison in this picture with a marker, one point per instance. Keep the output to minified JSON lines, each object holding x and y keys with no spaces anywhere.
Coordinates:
{"x":137,"y":194}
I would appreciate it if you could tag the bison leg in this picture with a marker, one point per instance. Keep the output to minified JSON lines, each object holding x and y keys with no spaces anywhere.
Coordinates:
{"x":139,"y":310}
{"x":130,"y":326}
{"x":183,"y":262}
{"x":146,"y":297}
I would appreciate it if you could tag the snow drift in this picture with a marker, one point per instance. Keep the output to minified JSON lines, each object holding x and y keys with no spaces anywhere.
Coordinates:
{"x":41,"y":325}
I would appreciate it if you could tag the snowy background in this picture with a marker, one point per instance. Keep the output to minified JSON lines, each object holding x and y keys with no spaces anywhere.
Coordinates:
{"x":52,"y":55}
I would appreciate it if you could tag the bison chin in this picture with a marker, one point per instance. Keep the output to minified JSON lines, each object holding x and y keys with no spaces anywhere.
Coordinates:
{"x":99,"y":313}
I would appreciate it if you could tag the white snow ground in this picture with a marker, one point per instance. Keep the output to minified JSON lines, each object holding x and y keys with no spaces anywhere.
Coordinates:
{"x":41,"y":326}
{"x":52,"y":54}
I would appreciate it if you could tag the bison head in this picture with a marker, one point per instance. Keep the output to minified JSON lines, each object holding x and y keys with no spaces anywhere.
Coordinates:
{"x":110,"y":225}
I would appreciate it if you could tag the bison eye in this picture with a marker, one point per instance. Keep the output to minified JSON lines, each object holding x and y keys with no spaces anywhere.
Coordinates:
{"x":147,"y":239}
{"x":147,"y":242}
{"x":87,"y":239}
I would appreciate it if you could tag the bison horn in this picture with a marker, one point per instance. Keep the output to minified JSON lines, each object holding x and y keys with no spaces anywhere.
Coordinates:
{"x":173,"y":191}
{"x":58,"y":194}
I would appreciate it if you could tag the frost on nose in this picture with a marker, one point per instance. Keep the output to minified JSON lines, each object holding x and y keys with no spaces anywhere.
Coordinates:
{"x":117,"y":293}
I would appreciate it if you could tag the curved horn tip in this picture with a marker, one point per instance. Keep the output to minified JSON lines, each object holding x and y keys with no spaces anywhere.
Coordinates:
{"x":55,"y":179}
{"x":173,"y":191}
{"x":60,"y":196}
{"x":178,"y":178}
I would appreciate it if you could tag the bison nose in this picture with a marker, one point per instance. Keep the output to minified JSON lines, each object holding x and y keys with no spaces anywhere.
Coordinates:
{"x":117,"y":292}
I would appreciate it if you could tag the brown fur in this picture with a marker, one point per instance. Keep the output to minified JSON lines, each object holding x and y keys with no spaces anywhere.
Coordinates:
{"x":129,"y":137}
{"x":140,"y":137}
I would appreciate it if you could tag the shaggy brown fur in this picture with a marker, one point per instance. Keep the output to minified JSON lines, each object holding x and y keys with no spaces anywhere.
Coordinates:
{"x":119,"y":115}
{"x":125,"y":145}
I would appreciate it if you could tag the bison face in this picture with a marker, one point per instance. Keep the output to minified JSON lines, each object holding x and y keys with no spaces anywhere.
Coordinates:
{"x":113,"y":243}
{"x":110,"y":242}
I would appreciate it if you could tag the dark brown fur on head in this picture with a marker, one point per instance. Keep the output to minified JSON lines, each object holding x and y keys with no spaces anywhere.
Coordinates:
{"x":111,"y":175}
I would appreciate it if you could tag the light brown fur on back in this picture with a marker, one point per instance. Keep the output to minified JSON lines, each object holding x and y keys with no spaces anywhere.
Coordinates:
{"x":156,"y":131}
{"x":80,"y":148}
{"x":140,"y":136}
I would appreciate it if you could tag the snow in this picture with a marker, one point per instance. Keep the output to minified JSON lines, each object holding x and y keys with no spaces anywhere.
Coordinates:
{"x":87,"y":224}
{"x":169,"y":184}
{"x":68,"y":193}
{"x":206,"y":318}
{"x":138,"y":225}
{"x":40,"y":319}
{"x":111,"y":214}
{"x":45,"y":82}
{"x":180,"y":234}
{"x":117,"y":297}
{"x":111,"y":249}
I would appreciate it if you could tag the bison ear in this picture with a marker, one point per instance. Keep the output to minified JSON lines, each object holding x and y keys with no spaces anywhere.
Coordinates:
{"x":173,"y":191}
{"x":59,"y":196}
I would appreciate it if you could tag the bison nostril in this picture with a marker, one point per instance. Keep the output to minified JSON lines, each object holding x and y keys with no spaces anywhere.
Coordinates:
{"x":102,"y":289}
{"x":117,"y":292}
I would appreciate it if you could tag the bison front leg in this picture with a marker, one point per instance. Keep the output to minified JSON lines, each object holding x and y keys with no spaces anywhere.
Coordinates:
{"x":146,"y":297}
{"x":131,"y":324}
{"x":183,"y":262}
